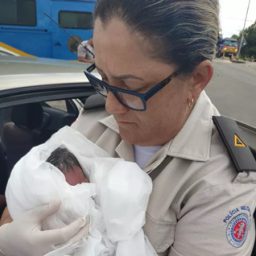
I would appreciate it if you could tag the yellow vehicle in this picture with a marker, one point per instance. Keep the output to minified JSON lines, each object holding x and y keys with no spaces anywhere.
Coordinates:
{"x":227,"y":47}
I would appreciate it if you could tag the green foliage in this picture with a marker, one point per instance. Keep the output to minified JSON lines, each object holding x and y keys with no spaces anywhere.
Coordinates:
{"x":237,"y":37}
{"x":249,"y":49}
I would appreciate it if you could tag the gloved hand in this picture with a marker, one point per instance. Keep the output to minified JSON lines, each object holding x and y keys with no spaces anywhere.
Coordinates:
{"x":24,"y":237}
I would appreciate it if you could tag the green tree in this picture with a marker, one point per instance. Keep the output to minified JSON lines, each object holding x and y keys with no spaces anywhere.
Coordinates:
{"x":249,"y":49}
{"x":237,"y":37}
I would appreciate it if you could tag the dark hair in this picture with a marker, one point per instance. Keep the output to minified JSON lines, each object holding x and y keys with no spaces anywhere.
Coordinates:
{"x":63,"y":159}
{"x":183,"y":32}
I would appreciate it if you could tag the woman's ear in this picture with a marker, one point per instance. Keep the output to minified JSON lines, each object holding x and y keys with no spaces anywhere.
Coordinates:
{"x":201,"y":77}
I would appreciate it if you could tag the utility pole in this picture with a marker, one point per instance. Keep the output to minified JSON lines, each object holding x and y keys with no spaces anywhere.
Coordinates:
{"x":242,"y":36}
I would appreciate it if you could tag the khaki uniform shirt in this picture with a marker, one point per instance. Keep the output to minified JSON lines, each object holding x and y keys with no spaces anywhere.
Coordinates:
{"x":200,"y":205}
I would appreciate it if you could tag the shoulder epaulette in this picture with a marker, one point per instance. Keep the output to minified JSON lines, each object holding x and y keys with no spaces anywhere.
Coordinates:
{"x":242,"y":155}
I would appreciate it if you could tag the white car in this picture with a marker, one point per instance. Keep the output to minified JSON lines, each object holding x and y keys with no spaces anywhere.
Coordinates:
{"x":37,"y":98}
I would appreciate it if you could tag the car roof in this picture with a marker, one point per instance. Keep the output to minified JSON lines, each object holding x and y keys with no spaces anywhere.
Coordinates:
{"x":16,"y":72}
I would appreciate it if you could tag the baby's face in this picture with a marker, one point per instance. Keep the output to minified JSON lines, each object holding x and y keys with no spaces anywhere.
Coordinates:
{"x":75,"y":176}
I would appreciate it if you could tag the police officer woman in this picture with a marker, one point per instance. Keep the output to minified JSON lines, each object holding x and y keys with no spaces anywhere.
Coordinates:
{"x":155,"y":60}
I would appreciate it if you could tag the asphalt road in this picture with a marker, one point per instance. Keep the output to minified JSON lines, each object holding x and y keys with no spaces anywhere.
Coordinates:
{"x":233,"y":90}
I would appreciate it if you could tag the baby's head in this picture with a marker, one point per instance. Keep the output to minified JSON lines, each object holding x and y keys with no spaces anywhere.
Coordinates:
{"x":66,"y":162}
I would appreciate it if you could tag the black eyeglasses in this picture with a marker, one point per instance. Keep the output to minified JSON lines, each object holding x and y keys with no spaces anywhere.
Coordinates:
{"x":129,"y":98}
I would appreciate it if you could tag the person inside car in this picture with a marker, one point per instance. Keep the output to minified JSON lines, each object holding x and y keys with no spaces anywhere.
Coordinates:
{"x":155,"y":60}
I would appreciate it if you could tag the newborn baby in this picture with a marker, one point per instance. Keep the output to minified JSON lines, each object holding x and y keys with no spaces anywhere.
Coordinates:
{"x":115,"y":198}
{"x":66,"y":162}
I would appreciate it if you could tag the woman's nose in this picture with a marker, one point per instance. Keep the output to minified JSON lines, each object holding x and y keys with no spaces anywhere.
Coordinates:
{"x":113,"y":106}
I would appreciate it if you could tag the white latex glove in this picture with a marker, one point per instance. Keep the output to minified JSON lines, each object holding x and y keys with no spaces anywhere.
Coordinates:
{"x":24,"y":237}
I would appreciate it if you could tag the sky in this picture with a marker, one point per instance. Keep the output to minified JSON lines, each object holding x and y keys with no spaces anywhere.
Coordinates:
{"x":232,"y":15}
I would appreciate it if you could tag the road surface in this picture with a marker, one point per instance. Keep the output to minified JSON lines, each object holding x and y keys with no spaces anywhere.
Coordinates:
{"x":233,"y":90}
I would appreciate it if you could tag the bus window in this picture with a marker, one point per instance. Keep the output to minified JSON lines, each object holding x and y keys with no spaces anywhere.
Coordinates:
{"x":75,"y":20}
{"x":18,"y":12}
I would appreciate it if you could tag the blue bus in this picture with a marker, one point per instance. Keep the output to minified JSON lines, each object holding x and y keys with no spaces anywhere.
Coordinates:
{"x":46,"y":28}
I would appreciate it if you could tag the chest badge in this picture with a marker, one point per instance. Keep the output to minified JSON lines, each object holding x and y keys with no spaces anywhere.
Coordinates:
{"x":237,"y":230}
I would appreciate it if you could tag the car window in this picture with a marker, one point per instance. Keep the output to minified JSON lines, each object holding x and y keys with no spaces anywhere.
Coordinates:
{"x":27,"y":125}
{"x":58,"y":104}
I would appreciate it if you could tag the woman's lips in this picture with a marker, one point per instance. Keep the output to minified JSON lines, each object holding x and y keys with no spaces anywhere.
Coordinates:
{"x":123,"y":122}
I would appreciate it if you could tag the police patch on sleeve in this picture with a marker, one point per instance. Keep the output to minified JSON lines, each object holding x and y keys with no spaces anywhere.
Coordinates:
{"x":237,"y":229}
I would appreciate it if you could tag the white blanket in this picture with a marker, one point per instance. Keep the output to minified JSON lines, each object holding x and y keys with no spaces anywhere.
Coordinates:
{"x":115,"y":199}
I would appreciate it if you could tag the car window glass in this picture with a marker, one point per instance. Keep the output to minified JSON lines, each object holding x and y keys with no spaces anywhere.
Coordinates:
{"x":58,"y":104}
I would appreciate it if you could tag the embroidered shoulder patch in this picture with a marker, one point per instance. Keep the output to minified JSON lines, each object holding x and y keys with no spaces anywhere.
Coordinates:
{"x":237,"y":230}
